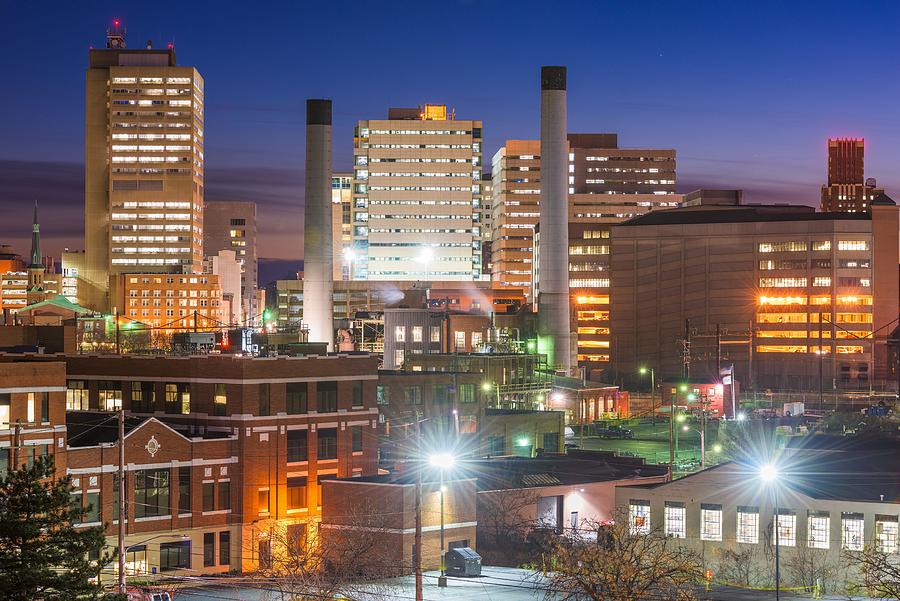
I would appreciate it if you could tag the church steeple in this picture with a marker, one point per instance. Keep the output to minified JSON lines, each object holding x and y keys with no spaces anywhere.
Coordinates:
{"x":35,"y":292}
{"x":37,"y":259}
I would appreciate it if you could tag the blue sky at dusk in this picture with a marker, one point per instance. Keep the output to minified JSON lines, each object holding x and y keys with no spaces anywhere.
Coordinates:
{"x":746,"y":92}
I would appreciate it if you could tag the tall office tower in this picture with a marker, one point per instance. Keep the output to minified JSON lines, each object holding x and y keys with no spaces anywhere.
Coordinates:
{"x":847,"y":189}
{"x":554,"y":327}
{"x":485,"y":216}
{"x":341,"y":225}
{"x":318,"y":282}
{"x":231,"y":225}
{"x":143,"y":165}
{"x":417,"y":196}
{"x":605,"y":183}
{"x":516,"y":188}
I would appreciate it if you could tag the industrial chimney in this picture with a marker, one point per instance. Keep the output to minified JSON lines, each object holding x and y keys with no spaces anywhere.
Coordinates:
{"x":318,"y":284}
{"x":555,"y":337}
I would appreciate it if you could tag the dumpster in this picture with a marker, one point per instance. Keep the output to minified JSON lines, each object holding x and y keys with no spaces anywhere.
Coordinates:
{"x":463,"y":561}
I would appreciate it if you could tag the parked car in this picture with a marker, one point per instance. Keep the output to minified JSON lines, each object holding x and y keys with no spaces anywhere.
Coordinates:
{"x":615,"y":431}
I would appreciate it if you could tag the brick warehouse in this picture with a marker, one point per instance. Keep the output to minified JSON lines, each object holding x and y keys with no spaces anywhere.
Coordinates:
{"x":222,"y":453}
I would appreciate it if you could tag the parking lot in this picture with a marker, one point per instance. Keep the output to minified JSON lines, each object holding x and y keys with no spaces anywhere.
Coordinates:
{"x":651,"y":441}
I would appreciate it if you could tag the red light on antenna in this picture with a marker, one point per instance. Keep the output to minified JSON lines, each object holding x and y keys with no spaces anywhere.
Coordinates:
{"x":171,"y":45}
{"x":116,"y":22}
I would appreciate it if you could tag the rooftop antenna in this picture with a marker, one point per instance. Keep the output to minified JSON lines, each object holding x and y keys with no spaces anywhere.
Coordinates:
{"x":115,"y":35}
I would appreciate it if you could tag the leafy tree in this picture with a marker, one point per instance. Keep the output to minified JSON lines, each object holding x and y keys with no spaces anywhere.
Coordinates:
{"x":620,"y":565}
{"x":43,"y":557}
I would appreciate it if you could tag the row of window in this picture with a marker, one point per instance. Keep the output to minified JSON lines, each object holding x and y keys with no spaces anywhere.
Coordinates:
{"x":178,"y":397}
{"x":34,"y":401}
{"x":817,"y":245}
{"x":817,"y":281}
{"x":818,"y":526}
{"x":777,"y":264}
{"x":326,"y":443}
{"x":440,"y":393}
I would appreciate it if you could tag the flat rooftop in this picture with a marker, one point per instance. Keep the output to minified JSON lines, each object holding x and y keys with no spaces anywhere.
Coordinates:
{"x":739,"y":214}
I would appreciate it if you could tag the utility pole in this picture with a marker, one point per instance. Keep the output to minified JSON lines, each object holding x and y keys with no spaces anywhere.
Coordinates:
{"x":195,"y":321}
{"x":821,"y":366}
{"x":417,"y":544}
{"x":718,"y":349}
{"x":121,"y":501}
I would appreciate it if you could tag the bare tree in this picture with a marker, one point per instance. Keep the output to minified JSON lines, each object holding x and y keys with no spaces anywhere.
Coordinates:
{"x":350,"y":560}
{"x":880,"y":574}
{"x":808,"y":567}
{"x":621,"y":565}
{"x":738,"y":567}
{"x":505,"y":519}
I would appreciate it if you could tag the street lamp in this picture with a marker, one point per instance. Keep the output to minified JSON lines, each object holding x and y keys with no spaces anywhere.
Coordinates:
{"x":425,"y":255}
{"x":442,"y":461}
{"x":687,"y":428}
{"x":768,"y":473}
{"x":643,"y":371}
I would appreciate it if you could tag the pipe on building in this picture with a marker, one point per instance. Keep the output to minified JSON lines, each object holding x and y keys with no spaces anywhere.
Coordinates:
{"x":555,"y":337}
{"x":318,"y":282}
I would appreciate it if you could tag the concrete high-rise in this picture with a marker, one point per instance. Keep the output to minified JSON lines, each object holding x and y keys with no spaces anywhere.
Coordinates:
{"x":554,"y":328}
{"x":417,"y":196}
{"x":606,"y":184}
{"x":318,"y":282}
{"x":847,"y":189}
{"x":342,"y":225}
{"x":143,"y":166}
{"x":231,"y":225}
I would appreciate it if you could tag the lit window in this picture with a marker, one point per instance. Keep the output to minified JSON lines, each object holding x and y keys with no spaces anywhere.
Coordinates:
{"x":674,"y":519}
{"x":417,"y":333}
{"x":400,"y":333}
{"x":852,"y":531}
{"x":435,"y":333}
{"x":639,"y":517}
{"x":853,"y":245}
{"x":787,"y":528}
{"x":818,"y":524}
{"x":710,"y":522}
{"x":748,"y":525}
{"x":774,"y":247}
{"x":459,"y":339}
{"x":886,"y":533}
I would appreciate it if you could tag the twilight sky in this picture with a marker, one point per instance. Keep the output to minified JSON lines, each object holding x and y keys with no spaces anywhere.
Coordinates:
{"x":746,"y":92}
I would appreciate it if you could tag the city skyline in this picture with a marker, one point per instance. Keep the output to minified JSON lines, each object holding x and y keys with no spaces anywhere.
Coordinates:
{"x":677,"y":91}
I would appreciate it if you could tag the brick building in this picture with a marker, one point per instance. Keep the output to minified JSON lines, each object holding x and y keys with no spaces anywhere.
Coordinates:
{"x":32,"y":411}
{"x":385,"y":506}
{"x":221,"y":452}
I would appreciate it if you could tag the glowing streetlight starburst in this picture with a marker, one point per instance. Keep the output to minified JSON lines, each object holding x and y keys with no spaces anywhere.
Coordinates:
{"x":768,"y":472}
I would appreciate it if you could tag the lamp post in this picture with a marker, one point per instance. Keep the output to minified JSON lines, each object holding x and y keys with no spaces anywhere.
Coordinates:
{"x":769,"y":475}
{"x":424,"y":257}
{"x":643,"y":371}
{"x":687,"y":428}
{"x":442,"y":461}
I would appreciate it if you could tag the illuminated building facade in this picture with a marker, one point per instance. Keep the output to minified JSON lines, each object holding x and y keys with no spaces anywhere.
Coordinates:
{"x":607,"y":184}
{"x":169,"y":302}
{"x":144,"y":166}
{"x":231,"y":226}
{"x":847,"y":190}
{"x":790,"y":292}
{"x":417,"y":199}
{"x":342,"y":225}
{"x":225,"y":455}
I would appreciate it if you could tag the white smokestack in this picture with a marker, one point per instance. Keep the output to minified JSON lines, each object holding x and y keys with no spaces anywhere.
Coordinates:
{"x":555,"y":337}
{"x":318,"y":284}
